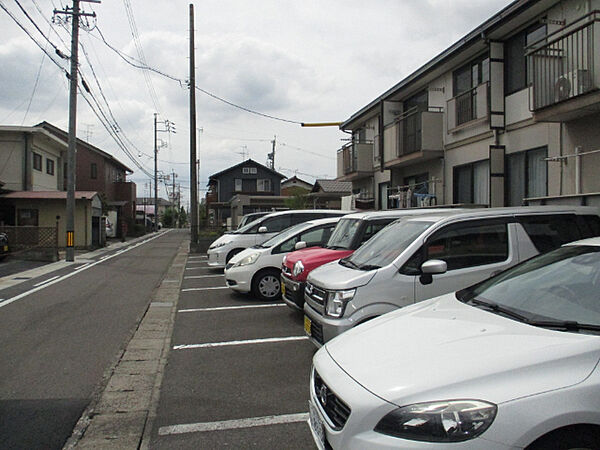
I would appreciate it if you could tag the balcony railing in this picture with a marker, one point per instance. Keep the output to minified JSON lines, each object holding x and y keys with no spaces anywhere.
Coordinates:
{"x":414,"y":131}
{"x":356,"y":157}
{"x":468,"y":107}
{"x":563,"y":65}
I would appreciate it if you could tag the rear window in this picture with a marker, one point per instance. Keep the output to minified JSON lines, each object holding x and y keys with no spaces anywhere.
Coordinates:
{"x":550,"y":232}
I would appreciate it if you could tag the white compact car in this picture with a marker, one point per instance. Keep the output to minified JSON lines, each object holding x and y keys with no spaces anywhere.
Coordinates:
{"x":257,"y":232}
{"x":258,"y":269}
{"x":511,"y":362}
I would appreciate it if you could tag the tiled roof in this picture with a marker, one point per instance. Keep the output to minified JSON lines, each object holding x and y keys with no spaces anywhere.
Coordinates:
{"x":333,"y":186}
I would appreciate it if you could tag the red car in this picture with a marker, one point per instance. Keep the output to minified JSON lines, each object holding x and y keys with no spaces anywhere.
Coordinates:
{"x":349,"y":234}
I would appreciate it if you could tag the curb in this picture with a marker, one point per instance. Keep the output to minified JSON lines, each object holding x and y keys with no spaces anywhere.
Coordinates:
{"x":122,"y":413}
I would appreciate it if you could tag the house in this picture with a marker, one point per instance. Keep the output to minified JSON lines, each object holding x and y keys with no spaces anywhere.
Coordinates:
{"x":295,"y":186}
{"x":145,"y":208}
{"x":241,"y":189}
{"x":505,"y":116}
{"x":101,"y":172}
{"x":45,"y":210}
{"x":328,"y":193}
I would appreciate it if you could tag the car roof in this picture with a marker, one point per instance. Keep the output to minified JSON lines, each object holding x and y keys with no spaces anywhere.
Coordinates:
{"x":307,"y":211}
{"x":506,"y":212}
{"x":398,"y":213}
{"x":595,"y":241}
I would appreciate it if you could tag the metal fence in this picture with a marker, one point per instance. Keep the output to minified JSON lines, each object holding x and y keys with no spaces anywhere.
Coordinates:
{"x":28,"y":237}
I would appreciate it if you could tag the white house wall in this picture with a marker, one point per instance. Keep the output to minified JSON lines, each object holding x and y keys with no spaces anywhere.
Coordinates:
{"x":11,"y":161}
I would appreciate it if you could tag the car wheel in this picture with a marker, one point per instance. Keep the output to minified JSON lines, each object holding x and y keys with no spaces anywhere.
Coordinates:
{"x":231,"y":254}
{"x":266,"y":285}
{"x":572,"y":438}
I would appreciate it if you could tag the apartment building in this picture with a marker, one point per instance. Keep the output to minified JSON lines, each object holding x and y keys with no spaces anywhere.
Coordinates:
{"x":506,"y":116}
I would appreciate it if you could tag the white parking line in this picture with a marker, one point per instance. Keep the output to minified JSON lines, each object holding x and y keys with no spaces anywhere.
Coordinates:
{"x":246,"y":342}
{"x":204,"y":288}
{"x":46,"y":281}
{"x":232,"y":424}
{"x":197,"y":257}
{"x":196,"y":268}
{"x":81,"y":267}
{"x":203,"y":276}
{"x":230,"y":308}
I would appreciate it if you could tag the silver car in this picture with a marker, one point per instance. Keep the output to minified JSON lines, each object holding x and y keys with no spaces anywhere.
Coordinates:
{"x":422,"y":257}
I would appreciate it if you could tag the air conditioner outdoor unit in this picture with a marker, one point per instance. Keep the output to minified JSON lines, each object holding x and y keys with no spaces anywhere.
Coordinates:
{"x":572,"y":84}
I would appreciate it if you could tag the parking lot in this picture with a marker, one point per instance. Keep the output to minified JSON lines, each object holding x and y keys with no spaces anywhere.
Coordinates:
{"x":237,"y":373}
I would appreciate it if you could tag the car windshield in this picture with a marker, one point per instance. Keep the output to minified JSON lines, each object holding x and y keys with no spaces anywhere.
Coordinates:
{"x":283,"y":236}
{"x":343,"y":234}
{"x":560,"y":289}
{"x":248,"y":227}
{"x":386,"y":245}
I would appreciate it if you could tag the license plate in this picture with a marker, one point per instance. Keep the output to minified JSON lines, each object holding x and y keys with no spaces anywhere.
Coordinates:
{"x":316,"y":426}
{"x":307,"y":325}
{"x":282,"y":288}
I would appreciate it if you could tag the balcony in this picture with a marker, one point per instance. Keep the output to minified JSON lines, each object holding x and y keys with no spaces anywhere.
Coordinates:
{"x":355,"y":161}
{"x":414,"y":137}
{"x":564,"y":72}
{"x":468,"y":109}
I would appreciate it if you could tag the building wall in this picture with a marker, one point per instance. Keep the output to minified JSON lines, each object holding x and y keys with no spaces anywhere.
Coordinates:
{"x":41,"y":180}
{"x":584,"y":133}
{"x":226,"y":182}
{"x":12,"y":151}
{"x":48,"y":210}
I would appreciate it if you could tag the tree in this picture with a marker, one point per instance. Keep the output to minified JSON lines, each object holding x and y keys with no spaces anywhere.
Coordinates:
{"x":298,"y":198}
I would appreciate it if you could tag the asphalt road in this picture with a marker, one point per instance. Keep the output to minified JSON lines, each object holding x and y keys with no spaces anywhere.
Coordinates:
{"x":223,"y":391}
{"x":59,"y":340}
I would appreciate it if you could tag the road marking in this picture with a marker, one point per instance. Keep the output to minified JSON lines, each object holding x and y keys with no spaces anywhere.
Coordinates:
{"x":232,"y":424}
{"x":204,"y":288}
{"x":46,"y":281}
{"x":197,"y":257}
{"x":81,"y":267}
{"x":233,"y":343}
{"x":75,"y":272}
{"x":230,"y":308}
{"x":195,"y":268}
{"x":203,"y":276}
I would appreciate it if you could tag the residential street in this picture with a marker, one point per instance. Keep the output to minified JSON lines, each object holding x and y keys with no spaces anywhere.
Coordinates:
{"x":61,"y":339}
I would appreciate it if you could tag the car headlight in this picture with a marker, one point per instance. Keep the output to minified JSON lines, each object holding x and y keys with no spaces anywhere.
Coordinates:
{"x":247,"y":260}
{"x":298,"y":268}
{"x":220,"y":244}
{"x":443,"y":421}
{"x":336,"y":302}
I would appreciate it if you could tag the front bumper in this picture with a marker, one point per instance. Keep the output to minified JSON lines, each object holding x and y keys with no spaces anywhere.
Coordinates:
{"x":358,"y":432}
{"x":239,"y":279}
{"x":323,"y":329}
{"x":292,"y":292}
{"x":216,"y":258}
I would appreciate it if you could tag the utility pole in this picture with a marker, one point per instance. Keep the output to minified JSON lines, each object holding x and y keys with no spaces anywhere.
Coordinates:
{"x":194,"y":193}
{"x":271,"y":156}
{"x":72,"y":140}
{"x":169,"y":128}
{"x":176,"y":217}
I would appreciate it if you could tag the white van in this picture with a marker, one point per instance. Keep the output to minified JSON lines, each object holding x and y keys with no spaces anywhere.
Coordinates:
{"x":425,"y":256}
{"x":224,"y":248}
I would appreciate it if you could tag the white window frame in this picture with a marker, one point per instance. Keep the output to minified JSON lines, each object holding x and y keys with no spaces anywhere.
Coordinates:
{"x":263,"y":185}
{"x":237,"y":182}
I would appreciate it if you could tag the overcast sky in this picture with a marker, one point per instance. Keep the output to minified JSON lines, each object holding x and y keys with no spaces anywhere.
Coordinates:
{"x":301,"y":61}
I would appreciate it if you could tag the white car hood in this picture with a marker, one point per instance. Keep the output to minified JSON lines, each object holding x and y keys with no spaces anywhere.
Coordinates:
{"x":443,"y":349}
{"x":335,"y":276}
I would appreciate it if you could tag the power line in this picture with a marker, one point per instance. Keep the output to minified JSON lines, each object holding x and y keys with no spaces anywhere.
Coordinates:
{"x":142,"y":65}
{"x":56,"y":49}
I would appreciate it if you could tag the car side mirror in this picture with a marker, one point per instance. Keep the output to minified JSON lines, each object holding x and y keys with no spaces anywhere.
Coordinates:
{"x":262,"y":229}
{"x":432,"y":267}
{"x":300,"y":245}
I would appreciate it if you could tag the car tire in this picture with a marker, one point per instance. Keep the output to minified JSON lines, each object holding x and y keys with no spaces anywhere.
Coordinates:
{"x":266,"y":285}
{"x":578,"y":437}
{"x":232,"y":253}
